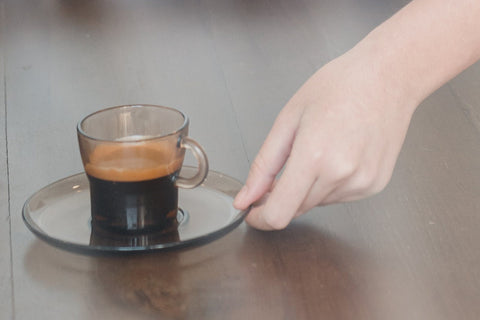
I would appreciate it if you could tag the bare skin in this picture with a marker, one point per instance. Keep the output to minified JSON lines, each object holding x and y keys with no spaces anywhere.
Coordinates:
{"x":339,"y":136}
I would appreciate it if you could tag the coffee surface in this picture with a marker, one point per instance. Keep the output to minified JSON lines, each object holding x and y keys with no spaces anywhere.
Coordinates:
{"x":133,"y":162}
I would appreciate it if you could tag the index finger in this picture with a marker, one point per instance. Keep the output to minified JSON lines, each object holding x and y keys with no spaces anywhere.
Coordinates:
{"x":270,"y":159}
{"x":286,"y":198}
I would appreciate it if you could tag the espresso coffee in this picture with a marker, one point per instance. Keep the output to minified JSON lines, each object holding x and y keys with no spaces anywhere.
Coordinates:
{"x":132,"y":187}
{"x":101,"y":236}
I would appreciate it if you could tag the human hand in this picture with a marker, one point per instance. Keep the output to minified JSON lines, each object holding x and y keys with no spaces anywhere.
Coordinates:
{"x":337,"y":139}
{"x":339,"y":136}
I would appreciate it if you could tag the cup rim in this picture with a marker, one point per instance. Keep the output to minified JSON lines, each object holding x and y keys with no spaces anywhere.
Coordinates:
{"x":175,"y":132}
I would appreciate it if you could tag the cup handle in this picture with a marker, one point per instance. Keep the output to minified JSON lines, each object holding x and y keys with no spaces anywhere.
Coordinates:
{"x":201,"y":156}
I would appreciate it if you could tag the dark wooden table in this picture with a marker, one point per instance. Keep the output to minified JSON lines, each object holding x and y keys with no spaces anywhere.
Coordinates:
{"x":411,"y":252}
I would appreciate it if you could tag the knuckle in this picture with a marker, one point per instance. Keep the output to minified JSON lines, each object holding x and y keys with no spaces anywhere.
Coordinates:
{"x":364,"y":181}
{"x":371,"y":182}
{"x":344,"y":167}
{"x":380,"y":184}
{"x":335,"y":167}
{"x":275,"y":222}
{"x":317,"y":156}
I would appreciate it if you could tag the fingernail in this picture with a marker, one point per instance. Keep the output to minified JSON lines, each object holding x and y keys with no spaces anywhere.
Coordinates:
{"x":240,"y":196}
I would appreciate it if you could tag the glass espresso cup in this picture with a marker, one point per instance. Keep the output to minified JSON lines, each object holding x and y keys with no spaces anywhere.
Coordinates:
{"x":132,"y":156}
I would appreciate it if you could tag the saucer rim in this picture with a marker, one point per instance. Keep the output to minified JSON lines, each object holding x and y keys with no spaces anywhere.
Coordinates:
{"x":121,"y":250}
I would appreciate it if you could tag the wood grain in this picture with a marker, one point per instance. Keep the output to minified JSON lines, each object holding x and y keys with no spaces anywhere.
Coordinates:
{"x":411,"y":252}
{"x":6,"y":310}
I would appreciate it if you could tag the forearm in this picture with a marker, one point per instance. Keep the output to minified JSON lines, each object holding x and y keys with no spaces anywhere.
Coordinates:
{"x":423,"y":46}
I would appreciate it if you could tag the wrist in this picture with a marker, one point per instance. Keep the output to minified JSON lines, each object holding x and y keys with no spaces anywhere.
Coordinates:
{"x":377,"y":77}
{"x":390,"y":72}
{"x":422,"y":46}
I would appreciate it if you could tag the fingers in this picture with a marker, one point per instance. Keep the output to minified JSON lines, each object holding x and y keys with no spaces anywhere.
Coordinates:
{"x":276,"y":211}
{"x":270,"y":159}
{"x":310,"y":178}
{"x":255,"y":217}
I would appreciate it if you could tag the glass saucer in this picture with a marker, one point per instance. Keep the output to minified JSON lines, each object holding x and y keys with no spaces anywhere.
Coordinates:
{"x":60,"y":215}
